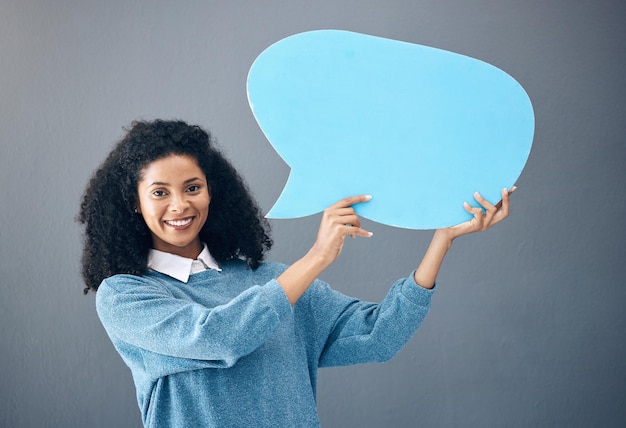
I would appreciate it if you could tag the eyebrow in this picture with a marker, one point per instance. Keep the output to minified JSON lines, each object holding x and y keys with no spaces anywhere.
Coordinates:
{"x":162,"y":183}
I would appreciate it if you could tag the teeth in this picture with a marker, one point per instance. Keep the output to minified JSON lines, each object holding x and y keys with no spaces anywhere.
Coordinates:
{"x":179,"y":223}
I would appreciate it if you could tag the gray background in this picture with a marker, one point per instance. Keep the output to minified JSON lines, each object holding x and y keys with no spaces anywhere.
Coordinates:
{"x":527,"y":327}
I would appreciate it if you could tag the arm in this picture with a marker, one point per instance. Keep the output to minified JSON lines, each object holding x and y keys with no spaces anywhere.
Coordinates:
{"x":354,"y":331}
{"x":144,"y":313}
{"x":428,"y":269}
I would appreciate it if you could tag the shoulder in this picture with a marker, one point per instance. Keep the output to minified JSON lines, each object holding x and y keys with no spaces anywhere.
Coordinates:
{"x":122,"y":283}
{"x":125,"y":288}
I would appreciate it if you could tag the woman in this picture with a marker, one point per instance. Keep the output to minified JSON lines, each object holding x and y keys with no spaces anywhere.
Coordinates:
{"x":213,"y":336}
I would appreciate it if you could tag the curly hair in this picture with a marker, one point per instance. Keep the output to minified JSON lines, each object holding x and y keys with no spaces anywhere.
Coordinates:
{"x":116,"y":238}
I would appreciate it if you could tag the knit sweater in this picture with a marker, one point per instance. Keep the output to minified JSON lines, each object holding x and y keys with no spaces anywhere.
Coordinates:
{"x":226,"y":349}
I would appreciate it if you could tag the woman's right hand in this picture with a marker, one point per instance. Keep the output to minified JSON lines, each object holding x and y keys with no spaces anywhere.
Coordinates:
{"x":338,"y":221}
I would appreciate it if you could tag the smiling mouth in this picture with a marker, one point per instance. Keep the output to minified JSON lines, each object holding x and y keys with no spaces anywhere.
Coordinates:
{"x":179,"y":224}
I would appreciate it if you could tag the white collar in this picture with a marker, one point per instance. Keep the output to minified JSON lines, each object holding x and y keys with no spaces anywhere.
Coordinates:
{"x":178,"y":267}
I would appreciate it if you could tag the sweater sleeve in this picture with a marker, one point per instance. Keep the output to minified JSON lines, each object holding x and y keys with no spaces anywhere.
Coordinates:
{"x":143,"y":314}
{"x":363,"y":332}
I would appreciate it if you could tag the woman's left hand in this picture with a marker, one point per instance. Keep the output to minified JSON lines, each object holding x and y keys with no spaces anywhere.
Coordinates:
{"x":484,"y":216}
{"x":426,"y":273}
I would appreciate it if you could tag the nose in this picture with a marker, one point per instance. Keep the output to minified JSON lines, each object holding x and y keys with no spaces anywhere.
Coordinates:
{"x":178,"y":203}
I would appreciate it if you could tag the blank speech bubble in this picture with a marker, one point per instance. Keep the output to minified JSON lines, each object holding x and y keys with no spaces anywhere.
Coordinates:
{"x":418,"y":128}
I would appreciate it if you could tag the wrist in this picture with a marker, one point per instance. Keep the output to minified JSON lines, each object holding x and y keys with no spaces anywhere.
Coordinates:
{"x":316,"y":260}
{"x":444,"y":238}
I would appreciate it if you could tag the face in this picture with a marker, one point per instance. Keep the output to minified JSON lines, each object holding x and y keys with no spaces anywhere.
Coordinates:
{"x":174,"y":202}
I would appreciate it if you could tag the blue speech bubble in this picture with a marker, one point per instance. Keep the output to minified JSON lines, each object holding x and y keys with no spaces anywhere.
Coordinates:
{"x":419,"y":128}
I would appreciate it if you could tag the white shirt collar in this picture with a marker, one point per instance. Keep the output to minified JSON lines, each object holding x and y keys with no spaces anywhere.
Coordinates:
{"x":178,"y":267}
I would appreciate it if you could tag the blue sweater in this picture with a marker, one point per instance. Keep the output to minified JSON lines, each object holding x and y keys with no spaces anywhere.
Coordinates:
{"x":227,"y":349}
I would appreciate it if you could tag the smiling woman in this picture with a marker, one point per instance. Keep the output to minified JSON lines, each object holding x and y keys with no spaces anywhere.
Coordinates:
{"x":174,"y":202}
{"x":214,"y":337}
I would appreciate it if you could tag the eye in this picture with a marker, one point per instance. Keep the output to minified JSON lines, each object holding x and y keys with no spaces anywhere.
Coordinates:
{"x":193,"y":188}
{"x":159,"y":193}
